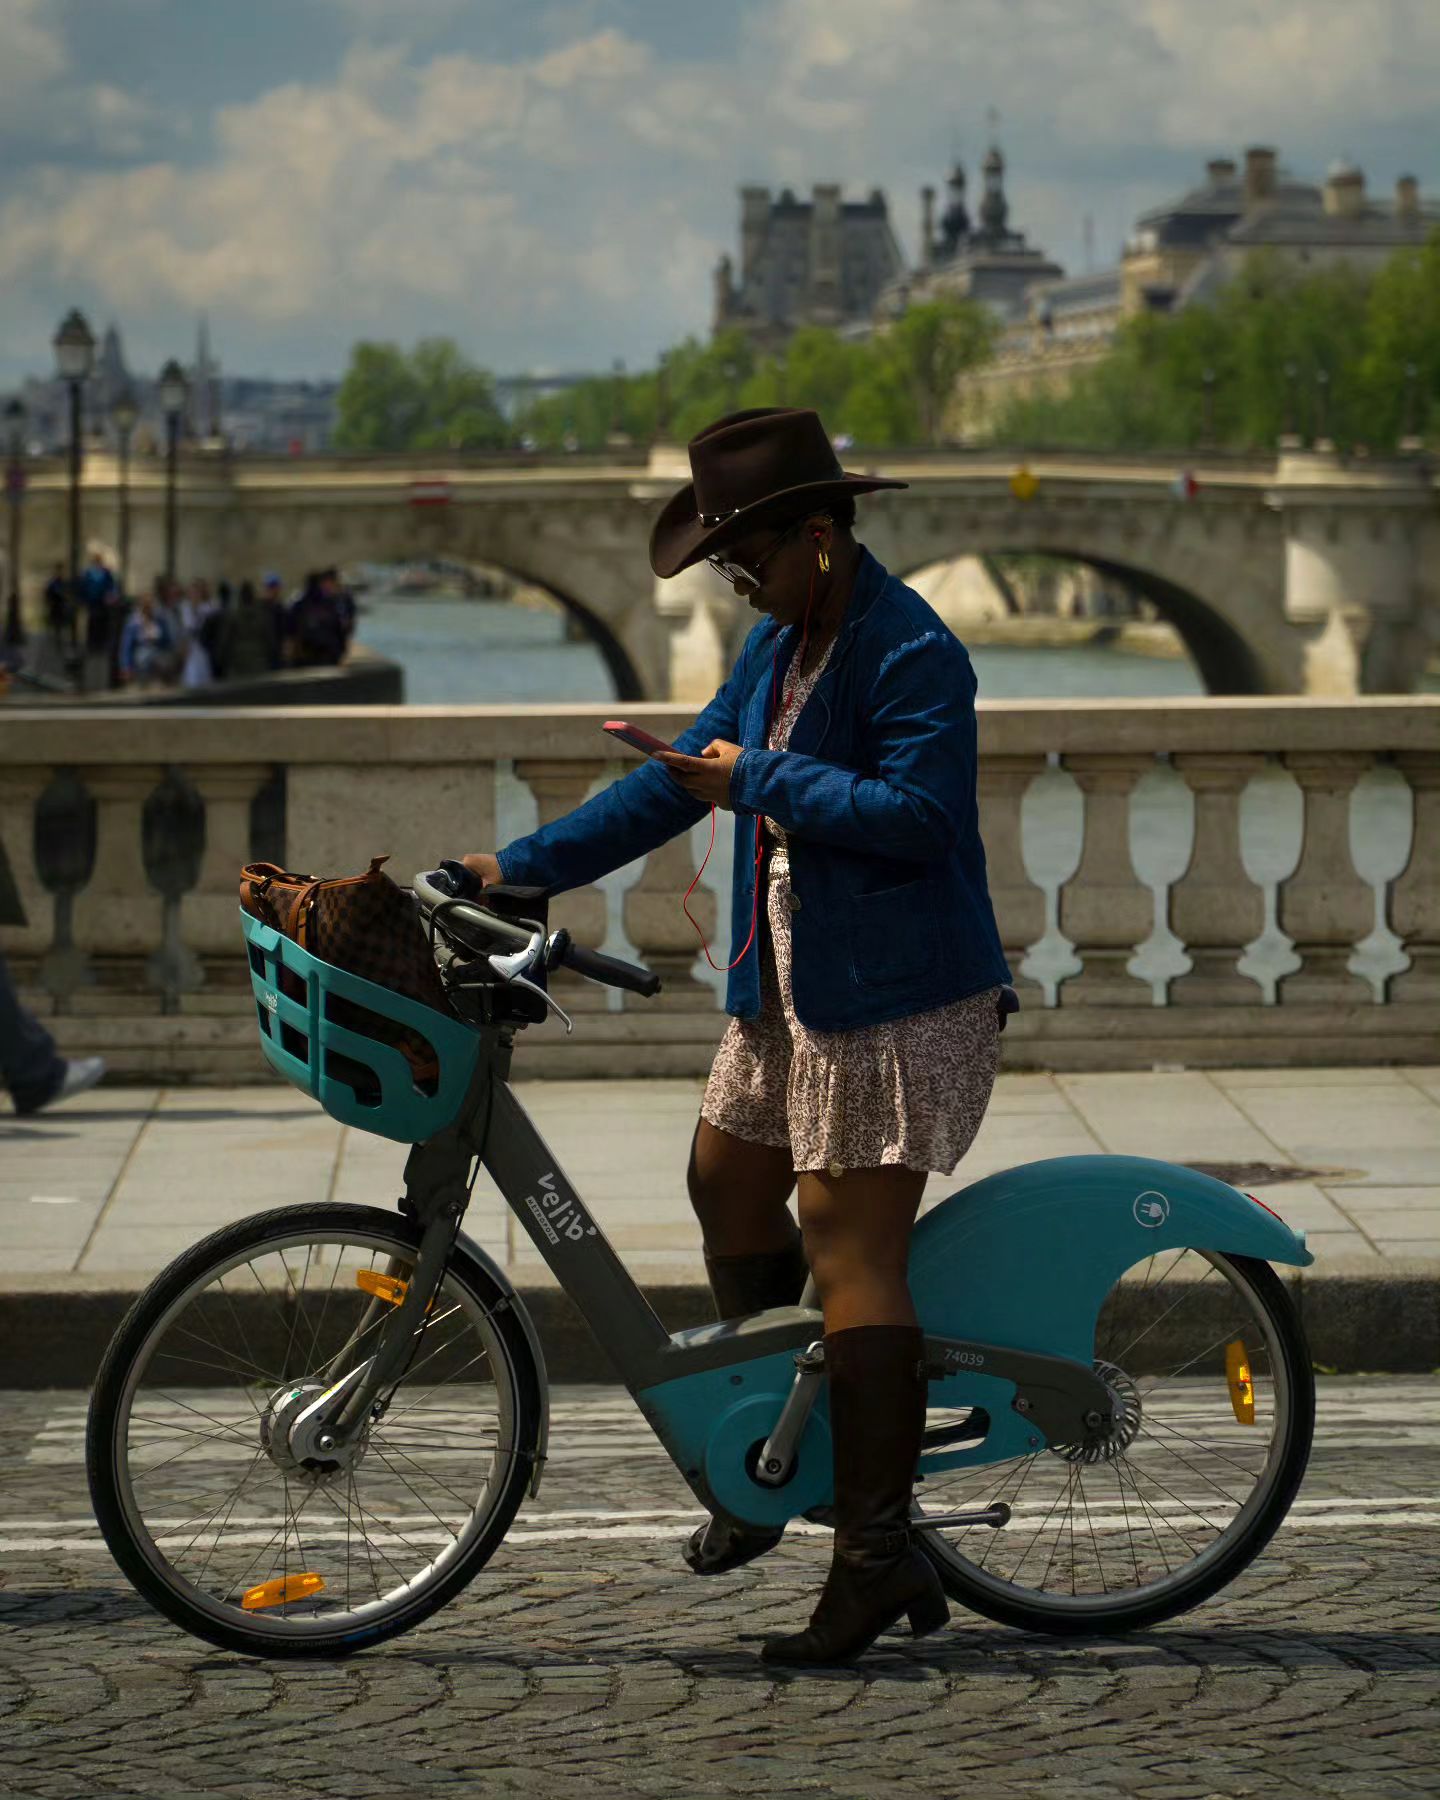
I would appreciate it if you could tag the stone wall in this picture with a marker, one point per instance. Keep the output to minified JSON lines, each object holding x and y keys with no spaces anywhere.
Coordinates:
{"x":1200,"y":882}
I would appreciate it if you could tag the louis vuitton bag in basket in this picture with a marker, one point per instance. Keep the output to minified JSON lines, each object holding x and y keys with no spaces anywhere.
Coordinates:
{"x":366,"y":924}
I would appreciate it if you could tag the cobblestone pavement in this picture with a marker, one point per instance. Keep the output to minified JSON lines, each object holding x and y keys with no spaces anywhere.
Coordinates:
{"x":587,"y":1661}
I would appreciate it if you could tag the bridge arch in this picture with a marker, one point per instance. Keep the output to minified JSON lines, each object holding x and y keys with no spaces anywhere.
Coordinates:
{"x":1219,"y":584}
{"x":1224,"y":660}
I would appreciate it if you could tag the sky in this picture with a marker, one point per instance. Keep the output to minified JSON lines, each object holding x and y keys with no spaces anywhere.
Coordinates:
{"x":551,"y":184}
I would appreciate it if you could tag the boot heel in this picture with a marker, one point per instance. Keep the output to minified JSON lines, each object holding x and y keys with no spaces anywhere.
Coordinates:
{"x":928,"y":1614}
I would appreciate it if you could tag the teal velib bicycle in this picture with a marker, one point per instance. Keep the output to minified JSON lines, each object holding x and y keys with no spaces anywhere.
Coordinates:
{"x":317,"y":1425}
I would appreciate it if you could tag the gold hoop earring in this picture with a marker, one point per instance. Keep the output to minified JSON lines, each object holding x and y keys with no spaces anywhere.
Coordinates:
{"x":824,"y":562}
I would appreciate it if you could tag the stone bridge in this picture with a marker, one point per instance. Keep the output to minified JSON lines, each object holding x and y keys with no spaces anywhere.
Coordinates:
{"x":1298,"y":574}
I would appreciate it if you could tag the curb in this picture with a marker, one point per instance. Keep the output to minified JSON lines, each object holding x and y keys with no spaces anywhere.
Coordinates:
{"x":53,"y":1335}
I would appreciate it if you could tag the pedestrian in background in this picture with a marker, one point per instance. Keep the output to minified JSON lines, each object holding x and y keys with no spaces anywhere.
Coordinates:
{"x":250,"y":640}
{"x":60,"y":610}
{"x":194,"y":610}
{"x":147,"y":643}
{"x":317,"y":624}
{"x":33,"y":1070}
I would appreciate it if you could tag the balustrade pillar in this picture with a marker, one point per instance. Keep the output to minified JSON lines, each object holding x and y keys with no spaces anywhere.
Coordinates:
{"x":663,"y":937}
{"x":559,"y":787}
{"x":210,"y":912}
{"x":1325,"y":906}
{"x":1019,"y":905}
{"x":1415,"y":898}
{"x":118,"y":915}
{"x":19,"y":790}
{"x":1105,"y":909}
{"x":1215,"y":908}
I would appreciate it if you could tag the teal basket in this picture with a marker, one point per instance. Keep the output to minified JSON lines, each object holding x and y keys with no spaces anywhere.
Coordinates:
{"x":311,"y":1052}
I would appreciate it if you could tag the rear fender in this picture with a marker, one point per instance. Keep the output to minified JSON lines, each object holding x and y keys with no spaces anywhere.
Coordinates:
{"x":1026,"y":1257}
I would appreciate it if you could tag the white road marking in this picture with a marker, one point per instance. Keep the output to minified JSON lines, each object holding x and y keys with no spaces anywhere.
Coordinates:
{"x":66,"y":1534}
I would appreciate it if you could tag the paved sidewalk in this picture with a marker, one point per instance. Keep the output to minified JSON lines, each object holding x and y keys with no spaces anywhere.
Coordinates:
{"x":101,"y":1192}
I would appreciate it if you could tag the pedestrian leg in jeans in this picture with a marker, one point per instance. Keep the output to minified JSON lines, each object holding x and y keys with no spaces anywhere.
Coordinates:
{"x":30,"y":1065}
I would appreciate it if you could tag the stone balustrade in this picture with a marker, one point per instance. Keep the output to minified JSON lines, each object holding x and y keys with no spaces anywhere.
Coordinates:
{"x":1177,"y":881}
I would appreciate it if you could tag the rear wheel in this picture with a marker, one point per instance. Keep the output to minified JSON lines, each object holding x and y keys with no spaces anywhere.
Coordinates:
{"x":214,"y":1506}
{"x":1193,"y":1483}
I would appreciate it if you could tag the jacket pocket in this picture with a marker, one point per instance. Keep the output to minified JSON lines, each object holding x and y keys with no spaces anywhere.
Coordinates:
{"x":894,"y":935}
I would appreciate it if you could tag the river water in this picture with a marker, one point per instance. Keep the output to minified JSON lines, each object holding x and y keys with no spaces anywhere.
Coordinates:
{"x":476,"y":652}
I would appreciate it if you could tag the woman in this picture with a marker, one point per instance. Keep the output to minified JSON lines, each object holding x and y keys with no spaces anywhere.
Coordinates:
{"x":866,"y":1015}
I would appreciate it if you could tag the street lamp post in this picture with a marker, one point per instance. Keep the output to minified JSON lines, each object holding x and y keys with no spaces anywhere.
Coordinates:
{"x":14,"y":495}
{"x":174,"y":390}
{"x":74,"y":358}
{"x":1290,"y":436}
{"x":1322,"y":410}
{"x":123,"y":414}
{"x":1410,"y":438}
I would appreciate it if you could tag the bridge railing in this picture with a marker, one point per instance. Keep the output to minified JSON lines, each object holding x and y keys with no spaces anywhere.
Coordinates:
{"x":1200,"y":882}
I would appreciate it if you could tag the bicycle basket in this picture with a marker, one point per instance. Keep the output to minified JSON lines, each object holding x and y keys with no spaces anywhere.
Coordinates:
{"x":357,"y":1079}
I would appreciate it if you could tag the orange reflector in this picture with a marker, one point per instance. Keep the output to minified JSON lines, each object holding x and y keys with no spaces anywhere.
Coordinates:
{"x":281,"y":1591}
{"x":383,"y":1287}
{"x":1242,"y":1388}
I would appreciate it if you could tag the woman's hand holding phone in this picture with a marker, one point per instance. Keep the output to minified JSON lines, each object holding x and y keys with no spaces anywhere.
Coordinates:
{"x":706,"y":776}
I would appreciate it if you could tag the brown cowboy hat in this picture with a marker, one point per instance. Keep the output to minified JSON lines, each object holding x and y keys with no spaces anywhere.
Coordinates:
{"x":772,"y":462}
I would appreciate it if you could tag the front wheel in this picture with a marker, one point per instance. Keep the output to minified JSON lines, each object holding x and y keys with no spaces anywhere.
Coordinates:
{"x":1209,"y":1445}
{"x":207,"y":1504}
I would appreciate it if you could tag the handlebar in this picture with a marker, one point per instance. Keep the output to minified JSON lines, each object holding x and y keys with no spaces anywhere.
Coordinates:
{"x":459,"y":890}
{"x":609,"y":969}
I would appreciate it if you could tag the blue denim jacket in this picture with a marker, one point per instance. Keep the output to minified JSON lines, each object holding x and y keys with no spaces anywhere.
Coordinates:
{"x":876,"y":794}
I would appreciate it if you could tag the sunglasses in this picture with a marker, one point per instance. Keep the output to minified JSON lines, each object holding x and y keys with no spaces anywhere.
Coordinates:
{"x":748,"y":574}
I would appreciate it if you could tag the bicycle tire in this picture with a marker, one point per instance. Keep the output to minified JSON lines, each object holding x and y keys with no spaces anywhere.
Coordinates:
{"x":150,"y":1308}
{"x":1118,"y":1616}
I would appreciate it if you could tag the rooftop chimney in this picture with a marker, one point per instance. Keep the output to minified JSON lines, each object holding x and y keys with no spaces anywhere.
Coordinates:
{"x":1259,"y":175}
{"x":1407,"y":200}
{"x":1344,"y":191}
{"x":1220,"y":169}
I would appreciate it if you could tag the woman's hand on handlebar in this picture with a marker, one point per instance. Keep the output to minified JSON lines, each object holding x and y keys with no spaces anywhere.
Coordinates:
{"x":485,"y":865}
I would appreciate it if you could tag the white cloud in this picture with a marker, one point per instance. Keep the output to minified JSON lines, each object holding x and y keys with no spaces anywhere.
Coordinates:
{"x":569,"y":204}
{"x":31,"y":52}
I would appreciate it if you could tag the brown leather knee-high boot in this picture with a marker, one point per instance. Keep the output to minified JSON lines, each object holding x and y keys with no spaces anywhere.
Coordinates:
{"x":877,"y":1419}
{"x":743,"y":1285}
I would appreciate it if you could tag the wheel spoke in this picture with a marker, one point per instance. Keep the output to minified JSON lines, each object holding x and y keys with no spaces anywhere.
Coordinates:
{"x":409,"y":1496}
{"x":1186,"y":1478}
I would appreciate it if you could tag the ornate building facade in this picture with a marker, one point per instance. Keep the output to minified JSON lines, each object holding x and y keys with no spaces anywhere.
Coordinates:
{"x":821,"y":261}
{"x":979,"y":258}
{"x":1182,"y":252}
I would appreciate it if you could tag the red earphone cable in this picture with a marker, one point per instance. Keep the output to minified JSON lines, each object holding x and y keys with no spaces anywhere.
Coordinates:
{"x":771,"y":728}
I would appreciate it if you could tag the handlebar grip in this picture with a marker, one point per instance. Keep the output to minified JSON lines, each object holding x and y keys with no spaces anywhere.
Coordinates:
{"x":465,"y":884}
{"x":610,"y":970}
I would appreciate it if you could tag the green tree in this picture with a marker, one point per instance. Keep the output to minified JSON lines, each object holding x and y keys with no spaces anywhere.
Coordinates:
{"x":929,"y":348}
{"x":1400,"y":372}
{"x":882,"y":391}
{"x":1273,"y":341}
{"x":428,"y":398}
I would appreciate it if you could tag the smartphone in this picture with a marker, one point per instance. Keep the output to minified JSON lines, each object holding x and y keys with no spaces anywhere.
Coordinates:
{"x":635,"y":736}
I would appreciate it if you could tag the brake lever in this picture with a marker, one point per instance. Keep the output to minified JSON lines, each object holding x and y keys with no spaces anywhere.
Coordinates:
{"x":508,"y":969}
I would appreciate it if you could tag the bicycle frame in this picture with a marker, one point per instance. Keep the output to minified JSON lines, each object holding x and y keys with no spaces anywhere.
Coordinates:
{"x":1003,"y":1257}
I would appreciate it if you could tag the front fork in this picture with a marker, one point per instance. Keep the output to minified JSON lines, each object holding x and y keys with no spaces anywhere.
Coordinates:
{"x":437,"y":1192}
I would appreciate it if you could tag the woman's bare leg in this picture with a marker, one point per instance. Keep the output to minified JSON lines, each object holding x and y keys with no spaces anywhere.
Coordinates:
{"x":857,"y":1242}
{"x":739,"y":1191}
